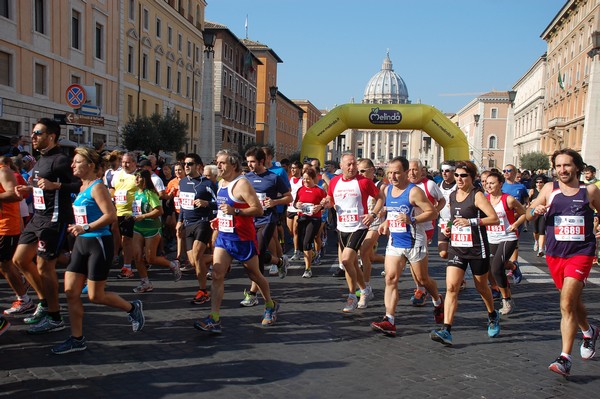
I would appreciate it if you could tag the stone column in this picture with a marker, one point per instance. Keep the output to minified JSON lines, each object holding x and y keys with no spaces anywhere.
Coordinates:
{"x":591,"y":127}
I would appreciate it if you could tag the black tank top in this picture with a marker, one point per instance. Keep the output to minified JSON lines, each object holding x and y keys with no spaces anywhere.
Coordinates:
{"x":468,"y":246}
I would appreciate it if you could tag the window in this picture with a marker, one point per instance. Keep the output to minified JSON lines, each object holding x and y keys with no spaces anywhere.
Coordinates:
{"x":75,"y":80}
{"x":144,"y":66}
{"x":168,"y":77}
{"x":157,"y":72}
{"x":5,"y":69}
{"x":130,"y":59}
{"x":178,"y":82}
{"x":39,"y":16}
{"x":99,"y":39}
{"x":494,"y":113}
{"x":189,"y":49}
{"x":4,"y":9}
{"x":187,"y":86}
{"x":493,"y":141}
{"x":144,"y":106}
{"x":132,"y":10}
{"x":158,"y":27}
{"x":146,"y":19}
{"x":129,"y":105}
{"x":99,"y":95}
{"x":40,"y":79}
{"x":179,"y":42}
{"x":170,"y":35}
{"x":76,"y":30}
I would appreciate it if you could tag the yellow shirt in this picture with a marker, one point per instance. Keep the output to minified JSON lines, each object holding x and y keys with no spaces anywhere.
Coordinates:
{"x":125,"y":188}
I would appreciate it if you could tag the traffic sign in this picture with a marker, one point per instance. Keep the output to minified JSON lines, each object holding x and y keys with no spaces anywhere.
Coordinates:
{"x":75,"y":96}
{"x":60,"y":119}
{"x":84,"y":120}
{"x":78,"y":131}
{"x":89,"y":110}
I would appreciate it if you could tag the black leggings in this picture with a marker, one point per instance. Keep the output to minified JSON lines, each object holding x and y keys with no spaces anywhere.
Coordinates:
{"x":264,"y":233}
{"x":307,"y":231}
{"x":501,"y":253}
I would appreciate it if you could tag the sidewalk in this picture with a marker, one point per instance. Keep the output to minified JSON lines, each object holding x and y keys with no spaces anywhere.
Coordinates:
{"x":313,"y":351}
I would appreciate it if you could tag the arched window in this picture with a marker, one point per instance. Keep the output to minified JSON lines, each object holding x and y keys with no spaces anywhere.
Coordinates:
{"x":492,"y":142}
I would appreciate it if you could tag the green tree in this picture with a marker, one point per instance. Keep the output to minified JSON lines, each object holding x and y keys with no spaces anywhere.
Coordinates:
{"x":534,"y":161}
{"x":155,"y":133}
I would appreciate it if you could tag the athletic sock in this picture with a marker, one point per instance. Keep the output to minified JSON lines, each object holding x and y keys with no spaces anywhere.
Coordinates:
{"x":589,"y":333}
{"x":390,"y":318}
{"x":25,"y":298}
{"x":54,"y":315}
{"x":447,"y":327}
{"x":566,"y":356}
{"x":127,"y":266}
{"x":215,"y":316}
{"x":44,"y":303}
{"x":270,"y":304}
{"x":438,"y":302}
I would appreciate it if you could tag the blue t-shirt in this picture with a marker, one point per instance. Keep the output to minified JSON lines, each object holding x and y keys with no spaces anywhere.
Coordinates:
{"x":278,"y":170}
{"x":267,"y":184}
{"x":86,"y":211}
{"x":517,"y":190}
{"x":193,"y":188}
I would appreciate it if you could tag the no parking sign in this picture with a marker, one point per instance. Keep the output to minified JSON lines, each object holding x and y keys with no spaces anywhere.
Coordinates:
{"x":75,"y":96}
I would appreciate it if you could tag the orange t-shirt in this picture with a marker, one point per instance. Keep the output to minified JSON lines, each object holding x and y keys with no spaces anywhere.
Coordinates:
{"x":173,"y":188}
{"x":10,"y":216}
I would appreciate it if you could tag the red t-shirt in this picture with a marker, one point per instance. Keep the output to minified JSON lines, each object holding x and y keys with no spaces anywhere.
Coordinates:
{"x":310,"y":195}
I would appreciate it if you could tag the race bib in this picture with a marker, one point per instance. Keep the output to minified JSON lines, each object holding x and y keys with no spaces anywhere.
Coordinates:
{"x":38,"y":199}
{"x":461,"y":237}
{"x":348,"y":217}
{"x":307,"y":209}
{"x":569,"y":228}
{"x":121,"y":197}
{"x":136,"y":208}
{"x":395,"y":225}
{"x":176,"y":203}
{"x":186,"y":201}
{"x":225,"y":222}
{"x":80,"y":213}
{"x":262,"y":197}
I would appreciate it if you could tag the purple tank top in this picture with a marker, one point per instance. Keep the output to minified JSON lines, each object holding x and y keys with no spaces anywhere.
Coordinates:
{"x":569,"y":224}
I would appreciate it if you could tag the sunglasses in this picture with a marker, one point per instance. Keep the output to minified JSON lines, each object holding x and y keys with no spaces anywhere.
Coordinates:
{"x":447,"y":170}
{"x":190,"y":163}
{"x":540,"y":182}
{"x":362,"y":170}
{"x":463,"y":175}
{"x":507,"y":170}
{"x":38,"y":132}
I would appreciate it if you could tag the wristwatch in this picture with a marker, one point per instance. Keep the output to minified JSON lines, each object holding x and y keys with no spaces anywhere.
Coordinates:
{"x":237,"y":211}
{"x":86,"y":227}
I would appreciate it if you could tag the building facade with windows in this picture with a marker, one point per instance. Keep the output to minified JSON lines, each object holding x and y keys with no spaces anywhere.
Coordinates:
{"x":235,"y":95}
{"x":47,"y":46}
{"x":290,"y":118}
{"x":162,"y":61}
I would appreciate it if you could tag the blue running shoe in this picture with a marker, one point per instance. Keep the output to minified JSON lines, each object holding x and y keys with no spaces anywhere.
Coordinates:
{"x":494,"y":325}
{"x":136,"y":316}
{"x":70,"y":345}
{"x":496,"y":294}
{"x":517,"y":275}
{"x":270,"y":315}
{"x":209,"y":325}
{"x":85,"y":289}
{"x":443,"y":336}
{"x":418,"y":298}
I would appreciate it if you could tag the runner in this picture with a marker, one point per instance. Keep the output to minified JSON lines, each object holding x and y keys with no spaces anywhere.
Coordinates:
{"x":198,"y":199}
{"x":503,"y":237}
{"x":11,"y":225}
{"x":539,"y":225}
{"x":52,"y":185}
{"x":447,"y":186}
{"x":408,"y":241}
{"x":568,"y":207}
{"x":296,"y":180}
{"x":519,"y":191}
{"x":173,"y":194}
{"x":123,"y":196}
{"x":348,"y":194}
{"x":470,"y":213}
{"x":308,"y":201}
{"x":147,"y":229}
{"x":92,"y":253}
{"x":417,"y":175}
{"x":238,"y":206}
{"x":268,"y":186}
{"x":369,"y":246}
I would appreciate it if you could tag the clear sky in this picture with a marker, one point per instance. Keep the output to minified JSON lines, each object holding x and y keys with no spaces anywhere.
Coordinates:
{"x":446,"y":51}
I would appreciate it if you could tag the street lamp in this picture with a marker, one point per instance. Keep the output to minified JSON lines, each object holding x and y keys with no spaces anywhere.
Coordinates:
{"x":476,"y":119}
{"x":273,"y":92}
{"x":209,"y":41}
{"x":595,"y":44}
{"x":273,"y":116}
{"x":511,"y":97}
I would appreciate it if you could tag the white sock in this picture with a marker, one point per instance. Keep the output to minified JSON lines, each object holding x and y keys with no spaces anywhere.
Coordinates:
{"x":588,"y":333}
{"x":566,"y":356}
{"x":145,"y":280}
{"x":438,"y":302}
{"x":390,"y":318}
{"x":25,"y":298}
{"x":127,"y":266}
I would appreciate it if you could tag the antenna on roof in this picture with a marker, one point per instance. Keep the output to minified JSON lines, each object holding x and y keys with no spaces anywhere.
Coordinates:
{"x":246,"y":26}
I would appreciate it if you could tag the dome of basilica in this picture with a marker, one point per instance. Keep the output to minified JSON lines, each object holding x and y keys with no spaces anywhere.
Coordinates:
{"x":386,"y":86}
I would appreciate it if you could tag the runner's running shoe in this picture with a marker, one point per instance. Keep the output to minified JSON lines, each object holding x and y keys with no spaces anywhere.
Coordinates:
{"x":384,"y":326}
{"x":143,"y":287}
{"x":202,"y":296}
{"x":307,"y":274}
{"x":351,"y":305}
{"x":19,"y":307}
{"x":282,"y":270}
{"x":37,"y":316}
{"x":442,"y":335}
{"x":4,"y":325}
{"x":208,"y":325}
{"x":136,"y":316}
{"x":588,"y":346}
{"x":250,"y":299}
{"x":507,"y":306}
{"x":418,"y":298}
{"x":517,"y":275}
{"x":176,"y":270}
{"x":46,"y":325}
{"x":70,"y":345}
{"x":494,"y":325}
{"x":270,"y":315}
{"x":125,"y":273}
{"x":561,"y":366}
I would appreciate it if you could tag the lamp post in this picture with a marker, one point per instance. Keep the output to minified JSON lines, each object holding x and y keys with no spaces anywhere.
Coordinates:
{"x":477,"y":152}
{"x":591,"y":126}
{"x":273,"y":116}
{"x":509,"y":135}
{"x":207,"y":135}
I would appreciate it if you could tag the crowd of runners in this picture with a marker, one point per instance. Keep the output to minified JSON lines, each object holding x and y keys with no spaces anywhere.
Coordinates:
{"x":95,"y":212}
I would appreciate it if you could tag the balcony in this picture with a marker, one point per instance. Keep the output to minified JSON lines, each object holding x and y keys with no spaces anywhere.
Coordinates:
{"x":556,"y":122}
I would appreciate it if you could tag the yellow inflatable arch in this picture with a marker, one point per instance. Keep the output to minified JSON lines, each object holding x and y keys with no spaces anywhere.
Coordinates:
{"x":388,"y":117}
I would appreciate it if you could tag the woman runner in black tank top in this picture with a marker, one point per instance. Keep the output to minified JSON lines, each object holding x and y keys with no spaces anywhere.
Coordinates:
{"x":470,"y":213}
